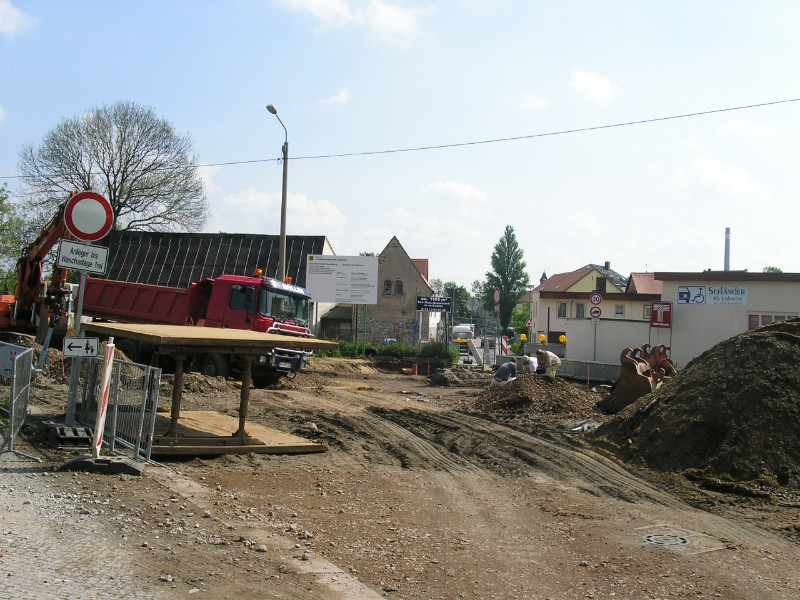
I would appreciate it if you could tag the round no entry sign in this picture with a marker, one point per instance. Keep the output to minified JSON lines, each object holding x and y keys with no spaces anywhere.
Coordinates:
{"x":88,"y":216}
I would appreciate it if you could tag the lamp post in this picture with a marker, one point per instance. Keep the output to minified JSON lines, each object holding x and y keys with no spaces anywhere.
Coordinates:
{"x":282,"y":246}
{"x":530,"y":311}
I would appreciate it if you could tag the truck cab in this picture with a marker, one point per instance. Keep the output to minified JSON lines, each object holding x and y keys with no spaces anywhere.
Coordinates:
{"x":257,"y":304}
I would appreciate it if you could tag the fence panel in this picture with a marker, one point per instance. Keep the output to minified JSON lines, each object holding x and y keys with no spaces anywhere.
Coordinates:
{"x":133,"y":401}
{"x":16,"y":368}
{"x":590,"y":370}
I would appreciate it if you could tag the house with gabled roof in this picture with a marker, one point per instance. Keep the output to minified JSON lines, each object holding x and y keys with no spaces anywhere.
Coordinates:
{"x":566,"y":296}
{"x":401,"y":280}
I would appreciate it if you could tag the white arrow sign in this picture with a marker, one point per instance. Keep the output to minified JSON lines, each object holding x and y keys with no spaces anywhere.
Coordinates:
{"x":80,"y":347}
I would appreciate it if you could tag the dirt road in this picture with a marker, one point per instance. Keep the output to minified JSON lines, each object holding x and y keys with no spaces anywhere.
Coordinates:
{"x":420,"y":496}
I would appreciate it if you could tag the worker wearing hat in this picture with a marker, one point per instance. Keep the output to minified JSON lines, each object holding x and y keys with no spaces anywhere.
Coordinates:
{"x":529,"y":364}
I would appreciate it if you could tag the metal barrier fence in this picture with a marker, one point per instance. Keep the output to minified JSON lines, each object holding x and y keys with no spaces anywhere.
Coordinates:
{"x":16,"y":368}
{"x":132,"y":404}
{"x":590,"y":370}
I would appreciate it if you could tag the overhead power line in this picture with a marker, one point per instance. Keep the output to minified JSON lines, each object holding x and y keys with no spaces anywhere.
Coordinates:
{"x":492,"y":140}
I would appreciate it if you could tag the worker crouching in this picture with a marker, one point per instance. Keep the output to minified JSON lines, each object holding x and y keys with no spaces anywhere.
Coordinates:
{"x":548,"y":361}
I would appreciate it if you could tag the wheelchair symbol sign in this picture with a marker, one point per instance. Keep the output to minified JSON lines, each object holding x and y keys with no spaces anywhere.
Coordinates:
{"x":691,"y":294}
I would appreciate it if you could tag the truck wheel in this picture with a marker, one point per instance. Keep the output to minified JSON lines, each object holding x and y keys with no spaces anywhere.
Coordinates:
{"x":215,"y":365}
{"x":130,"y":349}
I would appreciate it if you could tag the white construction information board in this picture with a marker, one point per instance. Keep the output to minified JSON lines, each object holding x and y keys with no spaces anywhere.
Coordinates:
{"x":342,"y":279}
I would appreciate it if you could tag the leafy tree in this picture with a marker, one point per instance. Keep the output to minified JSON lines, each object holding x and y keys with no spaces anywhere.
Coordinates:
{"x":519,"y":317}
{"x":773,"y":270}
{"x":125,"y":152}
{"x":12,"y":236}
{"x":459,"y":294}
{"x":508,"y":274}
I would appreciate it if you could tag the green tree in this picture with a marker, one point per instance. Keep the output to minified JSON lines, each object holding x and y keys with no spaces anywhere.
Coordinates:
{"x":12,"y":240}
{"x":459,"y":294}
{"x":773,"y":270}
{"x":507,"y":274}
{"x":125,"y":152}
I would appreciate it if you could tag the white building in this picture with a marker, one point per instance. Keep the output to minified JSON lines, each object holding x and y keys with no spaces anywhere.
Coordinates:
{"x":711,"y":306}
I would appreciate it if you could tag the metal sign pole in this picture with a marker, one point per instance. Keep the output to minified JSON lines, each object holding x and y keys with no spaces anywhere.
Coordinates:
{"x":75,"y":367}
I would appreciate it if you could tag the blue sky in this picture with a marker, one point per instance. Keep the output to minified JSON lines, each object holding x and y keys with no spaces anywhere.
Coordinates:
{"x":360,"y":76}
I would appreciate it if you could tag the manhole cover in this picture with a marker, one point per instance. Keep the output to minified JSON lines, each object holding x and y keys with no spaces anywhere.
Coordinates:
{"x":683,"y":540}
{"x":667,"y":539}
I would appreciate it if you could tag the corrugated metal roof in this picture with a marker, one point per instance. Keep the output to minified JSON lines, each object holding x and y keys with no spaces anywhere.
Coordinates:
{"x":178,"y":259}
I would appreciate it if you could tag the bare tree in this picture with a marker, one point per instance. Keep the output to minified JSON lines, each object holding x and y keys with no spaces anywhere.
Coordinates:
{"x":129,"y":155}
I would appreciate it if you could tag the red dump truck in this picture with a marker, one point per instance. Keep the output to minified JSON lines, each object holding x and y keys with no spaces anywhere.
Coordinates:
{"x":233,"y":301}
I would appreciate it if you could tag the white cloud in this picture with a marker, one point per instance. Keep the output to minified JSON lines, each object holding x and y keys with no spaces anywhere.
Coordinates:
{"x":729,"y":179}
{"x":13,"y":20}
{"x":469,"y":200}
{"x":2,"y":115}
{"x":341,"y":97}
{"x":379,"y":16}
{"x":594,"y":87}
{"x":752,"y":130}
{"x":425,"y":236}
{"x":251,"y":211}
{"x":531,"y":101}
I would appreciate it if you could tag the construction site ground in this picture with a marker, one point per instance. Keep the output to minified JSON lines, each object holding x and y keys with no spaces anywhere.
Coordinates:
{"x":431,"y":488}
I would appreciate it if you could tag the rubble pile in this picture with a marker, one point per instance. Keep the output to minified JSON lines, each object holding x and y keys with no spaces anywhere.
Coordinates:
{"x":730,"y":419}
{"x":538,"y":394}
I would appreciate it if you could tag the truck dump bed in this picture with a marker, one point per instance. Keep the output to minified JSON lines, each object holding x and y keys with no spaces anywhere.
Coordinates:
{"x":135,"y":302}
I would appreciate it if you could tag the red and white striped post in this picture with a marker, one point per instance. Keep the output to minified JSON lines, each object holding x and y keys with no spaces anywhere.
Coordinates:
{"x":100,"y":422}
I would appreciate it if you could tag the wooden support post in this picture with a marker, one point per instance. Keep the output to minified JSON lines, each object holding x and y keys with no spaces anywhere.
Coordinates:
{"x":244,"y":398}
{"x":177,"y":393}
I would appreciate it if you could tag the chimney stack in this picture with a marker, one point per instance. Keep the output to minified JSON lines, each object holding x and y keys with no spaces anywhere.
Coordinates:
{"x":727,"y":248}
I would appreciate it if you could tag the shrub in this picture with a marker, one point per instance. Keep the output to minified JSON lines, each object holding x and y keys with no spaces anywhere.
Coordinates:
{"x":439,"y":351}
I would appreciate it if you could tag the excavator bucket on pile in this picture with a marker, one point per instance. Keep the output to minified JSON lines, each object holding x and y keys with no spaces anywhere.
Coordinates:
{"x":642,"y":370}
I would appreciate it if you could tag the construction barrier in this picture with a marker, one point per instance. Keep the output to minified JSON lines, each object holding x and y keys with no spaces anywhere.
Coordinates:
{"x":16,"y":368}
{"x":590,"y":371}
{"x":132,"y":404}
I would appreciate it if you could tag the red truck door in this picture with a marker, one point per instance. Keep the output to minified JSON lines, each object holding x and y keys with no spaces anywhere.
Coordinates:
{"x":241,"y":307}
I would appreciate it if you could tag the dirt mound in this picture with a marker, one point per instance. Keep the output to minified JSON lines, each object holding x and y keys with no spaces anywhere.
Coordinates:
{"x":540,"y":395}
{"x":340,"y":366}
{"x":730,"y":419}
{"x":196,"y":383}
{"x":460,"y":377}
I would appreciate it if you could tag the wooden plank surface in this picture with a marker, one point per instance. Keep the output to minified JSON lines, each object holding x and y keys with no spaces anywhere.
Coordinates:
{"x":208,"y":432}
{"x":181,"y":335}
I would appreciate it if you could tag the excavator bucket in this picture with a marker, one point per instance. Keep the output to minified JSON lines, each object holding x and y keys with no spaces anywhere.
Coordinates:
{"x":642,"y":371}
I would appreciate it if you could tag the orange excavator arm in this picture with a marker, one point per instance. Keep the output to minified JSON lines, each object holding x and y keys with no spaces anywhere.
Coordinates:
{"x":29,"y":266}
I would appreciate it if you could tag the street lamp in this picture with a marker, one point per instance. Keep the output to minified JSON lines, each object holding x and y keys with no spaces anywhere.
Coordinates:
{"x":530,"y":311}
{"x":282,"y":246}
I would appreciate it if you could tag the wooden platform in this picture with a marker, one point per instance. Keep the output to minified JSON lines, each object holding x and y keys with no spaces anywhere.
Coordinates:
{"x":207,"y":432}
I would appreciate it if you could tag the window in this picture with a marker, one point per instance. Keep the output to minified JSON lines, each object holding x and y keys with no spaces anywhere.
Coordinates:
{"x":601,"y":284}
{"x":619,"y":310}
{"x":398,"y":288}
{"x":562,"y":310}
{"x":580,"y":311}
{"x":648,"y":311}
{"x":242,"y":298}
{"x":387,"y":287}
{"x":754,"y":321}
